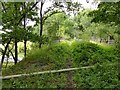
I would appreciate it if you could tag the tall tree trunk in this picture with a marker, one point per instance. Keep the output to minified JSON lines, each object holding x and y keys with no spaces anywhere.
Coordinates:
{"x":25,"y":40}
{"x":41,"y":25}
{"x":15,"y":35}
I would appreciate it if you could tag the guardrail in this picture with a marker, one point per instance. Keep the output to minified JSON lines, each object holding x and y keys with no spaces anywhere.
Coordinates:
{"x":44,"y":72}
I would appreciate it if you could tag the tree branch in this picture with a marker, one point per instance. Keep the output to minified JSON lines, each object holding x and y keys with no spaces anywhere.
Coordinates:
{"x":23,"y":15}
{"x":51,"y":13}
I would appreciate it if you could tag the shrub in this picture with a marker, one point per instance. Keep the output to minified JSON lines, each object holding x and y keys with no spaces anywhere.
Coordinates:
{"x":82,"y":52}
{"x":59,"y":54}
{"x":39,"y":55}
{"x":98,"y":77}
{"x":86,"y":53}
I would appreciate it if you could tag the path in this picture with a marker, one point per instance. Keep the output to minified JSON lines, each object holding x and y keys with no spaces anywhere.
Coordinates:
{"x":70,"y":82}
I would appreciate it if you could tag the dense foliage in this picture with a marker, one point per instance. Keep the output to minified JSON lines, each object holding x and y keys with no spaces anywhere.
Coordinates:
{"x":85,"y":53}
{"x":61,"y":38}
{"x":108,"y":13}
{"x":103,"y":75}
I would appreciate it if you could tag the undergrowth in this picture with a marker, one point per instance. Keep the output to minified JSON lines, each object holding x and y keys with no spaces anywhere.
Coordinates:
{"x":63,"y":55}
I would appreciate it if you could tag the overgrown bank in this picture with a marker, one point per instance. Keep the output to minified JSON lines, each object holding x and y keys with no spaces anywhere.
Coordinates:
{"x":63,"y":55}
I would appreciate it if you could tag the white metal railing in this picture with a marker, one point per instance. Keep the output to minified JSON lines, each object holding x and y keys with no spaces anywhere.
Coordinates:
{"x":43,"y":72}
{"x":51,"y":71}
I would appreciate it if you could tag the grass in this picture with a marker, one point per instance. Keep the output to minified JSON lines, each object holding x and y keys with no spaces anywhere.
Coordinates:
{"x":49,"y":58}
{"x":9,"y":64}
{"x":60,"y":56}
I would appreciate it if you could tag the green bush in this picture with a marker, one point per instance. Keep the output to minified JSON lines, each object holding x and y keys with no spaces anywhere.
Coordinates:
{"x":104,"y":55}
{"x":86,"y":53}
{"x":105,"y":76}
{"x":82,"y":52}
{"x":38,"y":55}
{"x":59,"y":54}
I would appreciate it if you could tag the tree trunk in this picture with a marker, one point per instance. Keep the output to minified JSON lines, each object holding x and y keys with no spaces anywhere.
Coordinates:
{"x":100,"y":40}
{"x":25,"y":40}
{"x":3,"y":56}
{"x":16,"y":51}
{"x":41,"y":25}
{"x":15,"y":35}
{"x":25,"y":47}
{"x":11,"y":54}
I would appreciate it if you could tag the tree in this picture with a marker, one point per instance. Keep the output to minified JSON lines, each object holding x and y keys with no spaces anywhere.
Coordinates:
{"x":12,"y":23}
{"x":44,"y":15}
{"x":73,"y":7}
{"x":32,"y":16}
{"x":108,"y":12}
{"x":54,"y":27}
{"x":41,"y":23}
{"x":82,"y":22}
{"x":12,"y":12}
